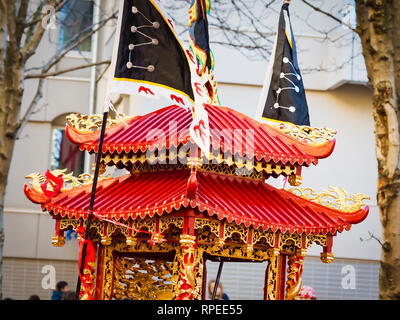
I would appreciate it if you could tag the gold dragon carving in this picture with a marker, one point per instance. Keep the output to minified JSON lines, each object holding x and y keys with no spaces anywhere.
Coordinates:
{"x":189,"y":258}
{"x":294,"y":281}
{"x":336,"y":198}
{"x":312,"y":135}
{"x":70,"y":181}
{"x":87,"y":288}
{"x":89,"y":123}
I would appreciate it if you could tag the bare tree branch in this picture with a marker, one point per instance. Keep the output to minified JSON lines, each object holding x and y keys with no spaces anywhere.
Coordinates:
{"x":329,"y":15}
{"x":75,"y":42}
{"x":372,"y":236}
{"x":22,"y":12}
{"x":56,"y":73}
{"x":44,"y":70}
{"x":31,"y":108}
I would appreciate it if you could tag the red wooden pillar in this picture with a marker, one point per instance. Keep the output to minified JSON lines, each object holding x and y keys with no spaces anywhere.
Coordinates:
{"x":98,"y":292}
{"x":281,"y":277}
{"x":327,"y":255}
{"x":188,"y":259}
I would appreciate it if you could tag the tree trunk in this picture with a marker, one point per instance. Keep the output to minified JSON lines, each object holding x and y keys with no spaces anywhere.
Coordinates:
{"x":11,"y":91}
{"x":379,"y":32}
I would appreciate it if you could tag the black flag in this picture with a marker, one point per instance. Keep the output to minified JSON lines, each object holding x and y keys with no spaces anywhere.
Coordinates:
{"x":199,"y":40}
{"x":150,"y":59}
{"x":283,"y":97}
{"x":198,"y":32}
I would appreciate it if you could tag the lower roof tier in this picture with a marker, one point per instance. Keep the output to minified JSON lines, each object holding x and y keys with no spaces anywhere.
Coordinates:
{"x":237,"y":199}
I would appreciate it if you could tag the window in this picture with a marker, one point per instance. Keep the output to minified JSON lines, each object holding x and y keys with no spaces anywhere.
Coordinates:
{"x":76,"y":17}
{"x":64,"y":153}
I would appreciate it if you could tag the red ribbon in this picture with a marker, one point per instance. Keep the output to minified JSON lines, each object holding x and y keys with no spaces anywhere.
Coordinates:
{"x":89,"y":258}
{"x":55,"y":182}
{"x":155,"y":237}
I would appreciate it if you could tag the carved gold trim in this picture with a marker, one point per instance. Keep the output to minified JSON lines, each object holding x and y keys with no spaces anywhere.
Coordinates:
{"x":231,"y":229}
{"x":311,"y":135}
{"x":213,"y":224}
{"x":135,"y":247}
{"x":58,"y":241}
{"x":336,"y":198}
{"x":318,"y":239}
{"x":295,"y":180}
{"x":70,"y":182}
{"x":248,"y":167}
{"x":272,"y":274}
{"x":148,"y":224}
{"x":105,"y":240}
{"x":288,"y":238}
{"x":143,"y":279}
{"x":166,"y":222}
{"x":327,"y":257}
{"x":269,"y":237}
{"x":89,"y":123}
{"x":66,"y":223}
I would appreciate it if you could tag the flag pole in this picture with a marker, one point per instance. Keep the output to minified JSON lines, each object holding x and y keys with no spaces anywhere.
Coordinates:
{"x":108,"y":106}
{"x":92,"y":198}
{"x":216,"y":284}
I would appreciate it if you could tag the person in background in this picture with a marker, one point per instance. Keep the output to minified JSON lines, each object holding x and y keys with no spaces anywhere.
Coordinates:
{"x":34,"y":297}
{"x":68,"y":295}
{"x":306,"y":293}
{"x":219,"y":295}
{"x":61,"y":287}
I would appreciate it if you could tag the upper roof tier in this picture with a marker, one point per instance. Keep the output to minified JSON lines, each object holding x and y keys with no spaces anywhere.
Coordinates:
{"x":231,"y":132}
{"x":243,"y":201}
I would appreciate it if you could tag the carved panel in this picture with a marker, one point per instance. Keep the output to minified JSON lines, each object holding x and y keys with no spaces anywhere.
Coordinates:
{"x":141,"y":279}
{"x":318,"y":239}
{"x":213,"y":224}
{"x":166,"y":222}
{"x":269,"y":236}
{"x":66,"y":223}
{"x":272,"y":278}
{"x":233,"y":230}
{"x":289,"y":240}
{"x":144,"y":224}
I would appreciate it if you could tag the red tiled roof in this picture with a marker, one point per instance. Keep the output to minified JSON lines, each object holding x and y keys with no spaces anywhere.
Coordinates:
{"x":243,"y":200}
{"x":269,"y":143}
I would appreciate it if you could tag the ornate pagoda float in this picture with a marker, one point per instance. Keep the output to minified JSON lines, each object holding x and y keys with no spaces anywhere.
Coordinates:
{"x":154,"y":228}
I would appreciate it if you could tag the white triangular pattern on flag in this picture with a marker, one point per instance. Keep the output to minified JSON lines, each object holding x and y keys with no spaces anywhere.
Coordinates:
{"x":199,"y":128}
{"x":288,"y":29}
